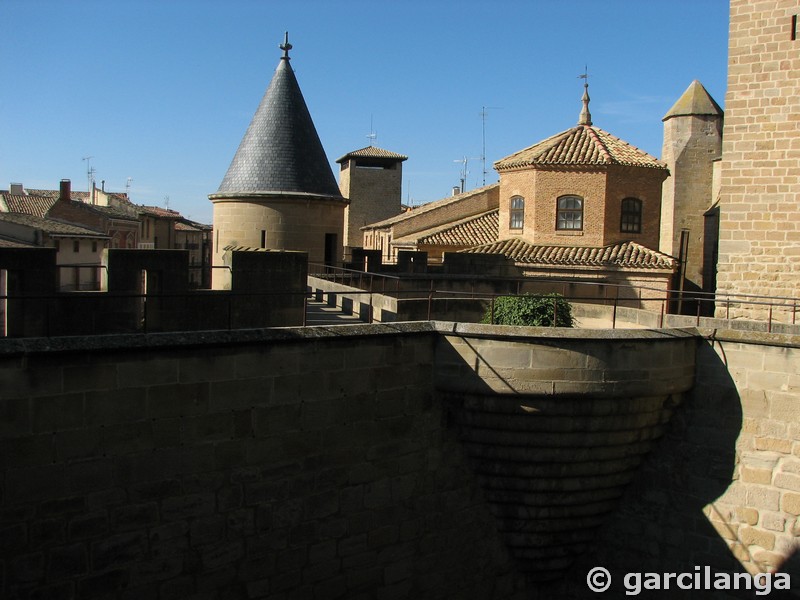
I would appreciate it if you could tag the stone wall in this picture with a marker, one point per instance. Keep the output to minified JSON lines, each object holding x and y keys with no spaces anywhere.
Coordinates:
{"x":282,"y":464}
{"x":283,"y":223}
{"x":722,"y":488}
{"x":759,"y":246}
{"x":416,"y":460}
{"x":691,"y":145}
{"x":374,"y":193}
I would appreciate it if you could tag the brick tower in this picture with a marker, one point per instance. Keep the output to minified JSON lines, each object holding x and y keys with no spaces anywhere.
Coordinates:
{"x":692,"y":143}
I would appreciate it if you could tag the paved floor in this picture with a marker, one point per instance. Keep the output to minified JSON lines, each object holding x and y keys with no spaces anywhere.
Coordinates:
{"x":319,"y":313}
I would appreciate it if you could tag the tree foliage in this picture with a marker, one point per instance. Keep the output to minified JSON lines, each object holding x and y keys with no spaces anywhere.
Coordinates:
{"x":532,"y":310}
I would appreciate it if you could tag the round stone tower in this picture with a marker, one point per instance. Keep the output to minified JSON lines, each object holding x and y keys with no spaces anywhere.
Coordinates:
{"x":279,"y":192}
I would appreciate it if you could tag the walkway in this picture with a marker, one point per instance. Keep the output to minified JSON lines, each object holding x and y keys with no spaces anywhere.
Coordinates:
{"x":319,"y":313}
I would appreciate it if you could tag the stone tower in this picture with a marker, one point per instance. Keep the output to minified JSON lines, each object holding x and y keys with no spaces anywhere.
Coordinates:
{"x":279,"y":191}
{"x":371,"y":179}
{"x":692,"y":144}
{"x":759,"y":245}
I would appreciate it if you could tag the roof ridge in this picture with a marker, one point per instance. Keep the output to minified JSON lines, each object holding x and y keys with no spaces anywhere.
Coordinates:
{"x":432,"y":205}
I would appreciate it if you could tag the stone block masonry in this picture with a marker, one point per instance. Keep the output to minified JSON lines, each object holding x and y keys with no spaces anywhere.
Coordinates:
{"x":760,"y":171}
{"x":722,"y":487}
{"x":285,"y":464}
{"x":413,"y":460}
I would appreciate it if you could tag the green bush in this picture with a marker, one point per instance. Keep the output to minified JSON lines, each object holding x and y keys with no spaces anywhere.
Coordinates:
{"x":532,"y":310}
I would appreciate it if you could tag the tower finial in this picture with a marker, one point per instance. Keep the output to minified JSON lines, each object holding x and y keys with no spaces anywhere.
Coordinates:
{"x":585,"y":117}
{"x":286,"y":46}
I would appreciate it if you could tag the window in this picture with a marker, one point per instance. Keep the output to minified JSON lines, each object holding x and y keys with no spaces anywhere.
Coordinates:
{"x":631,"y":216}
{"x":94,"y":246}
{"x":76,"y":246}
{"x":517,"y":212}
{"x":570,"y":213}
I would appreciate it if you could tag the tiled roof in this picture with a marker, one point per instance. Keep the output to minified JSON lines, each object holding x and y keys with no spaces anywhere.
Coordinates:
{"x":694,"y":101}
{"x":280,"y":152}
{"x":471,"y":231}
{"x":621,"y":254}
{"x":581,"y":145}
{"x":50,"y":226}
{"x":423,"y":208}
{"x":372,"y":152}
{"x":81,"y":196}
{"x":12,"y":244}
{"x":28,"y":204}
{"x":74,"y":195}
{"x":111,"y":212}
{"x":181,"y":226}
{"x":157,"y":211}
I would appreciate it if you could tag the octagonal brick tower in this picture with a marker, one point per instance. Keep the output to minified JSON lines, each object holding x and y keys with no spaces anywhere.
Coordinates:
{"x":279,"y":192}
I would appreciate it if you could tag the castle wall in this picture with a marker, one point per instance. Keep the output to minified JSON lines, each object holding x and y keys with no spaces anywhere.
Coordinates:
{"x":213,"y":465}
{"x":759,"y":220}
{"x":250,"y":465}
{"x":722,"y":489}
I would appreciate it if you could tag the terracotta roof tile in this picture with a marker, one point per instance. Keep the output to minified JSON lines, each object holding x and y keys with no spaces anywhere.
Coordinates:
{"x":159,"y":212}
{"x":28,"y":204}
{"x":581,"y":145}
{"x":372,"y":152}
{"x":471,"y":231}
{"x":51,"y":226}
{"x":423,"y":208}
{"x":622,"y":254}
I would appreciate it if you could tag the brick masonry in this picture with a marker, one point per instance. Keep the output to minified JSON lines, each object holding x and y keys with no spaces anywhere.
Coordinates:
{"x":602,"y":190}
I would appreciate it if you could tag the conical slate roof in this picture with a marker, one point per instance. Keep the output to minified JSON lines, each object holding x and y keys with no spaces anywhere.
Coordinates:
{"x":694,"y":101}
{"x":281,"y":153}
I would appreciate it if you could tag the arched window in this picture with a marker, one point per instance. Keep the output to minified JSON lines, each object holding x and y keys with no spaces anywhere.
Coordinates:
{"x":517,"y":212}
{"x":570,"y":213}
{"x":631,"y":216}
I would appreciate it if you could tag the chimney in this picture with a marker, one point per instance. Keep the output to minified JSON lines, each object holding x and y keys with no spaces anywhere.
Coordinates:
{"x":17,"y":189}
{"x":456,"y":190}
{"x":65,"y":190}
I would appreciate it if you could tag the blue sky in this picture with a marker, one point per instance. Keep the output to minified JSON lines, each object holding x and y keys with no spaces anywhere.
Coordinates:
{"x":162,"y":91}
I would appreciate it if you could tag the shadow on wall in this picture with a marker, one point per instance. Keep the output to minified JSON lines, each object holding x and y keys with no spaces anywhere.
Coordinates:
{"x":671,"y":519}
{"x":556,"y":428}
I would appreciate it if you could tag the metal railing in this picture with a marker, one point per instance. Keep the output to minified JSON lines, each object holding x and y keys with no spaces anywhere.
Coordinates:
{"x":615,"y":295}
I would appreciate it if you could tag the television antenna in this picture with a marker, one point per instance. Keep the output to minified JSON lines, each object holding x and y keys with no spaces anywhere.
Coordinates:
{"x":90,"y":171}
{"x":128,"y":187}
{"x":166,"y":202}
{"x":372,"y":135}
{"x":464,"y":161}
{"x":484,"y":114}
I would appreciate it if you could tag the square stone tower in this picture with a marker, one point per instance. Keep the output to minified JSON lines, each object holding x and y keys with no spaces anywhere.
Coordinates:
{"x":759,"y":246}
{"x":371,"y":178}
